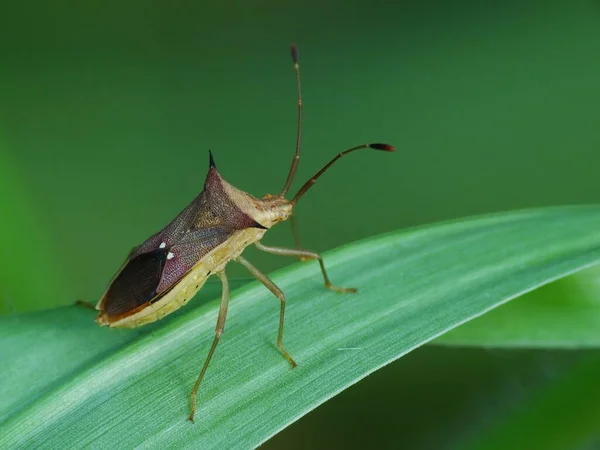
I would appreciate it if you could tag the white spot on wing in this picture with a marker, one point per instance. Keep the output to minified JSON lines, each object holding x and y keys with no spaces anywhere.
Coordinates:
{"x":162,"y":245}
{"x":170,"y":255}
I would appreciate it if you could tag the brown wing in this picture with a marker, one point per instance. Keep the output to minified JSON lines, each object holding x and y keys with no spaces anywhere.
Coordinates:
{"x":157,"y":264}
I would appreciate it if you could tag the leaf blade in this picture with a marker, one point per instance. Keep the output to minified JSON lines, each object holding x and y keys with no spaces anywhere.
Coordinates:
{"x":415,"y":286}
{"x":562,"y":314}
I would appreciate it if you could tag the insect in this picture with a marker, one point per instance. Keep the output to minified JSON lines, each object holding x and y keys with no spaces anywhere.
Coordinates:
{"x":167,"y":270}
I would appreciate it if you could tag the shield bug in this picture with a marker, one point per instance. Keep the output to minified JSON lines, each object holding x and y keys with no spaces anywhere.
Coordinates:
{"x":167,"y":270}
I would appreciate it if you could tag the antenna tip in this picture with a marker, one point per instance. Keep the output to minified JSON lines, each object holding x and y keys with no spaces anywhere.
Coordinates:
{"x":294,"y":51}
{"x":384,"y":147}
{"x":211,"y":160}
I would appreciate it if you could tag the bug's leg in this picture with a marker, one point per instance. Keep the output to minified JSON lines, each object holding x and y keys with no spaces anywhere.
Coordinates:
{"x":307,"y":254}
{"x":84,"y":304}
{"x":266,"y":281}
{"x":218,"y":332}
{"x":296,"y":238}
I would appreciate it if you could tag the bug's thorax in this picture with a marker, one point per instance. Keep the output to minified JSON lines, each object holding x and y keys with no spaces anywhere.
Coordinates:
{"x":267,"y":211}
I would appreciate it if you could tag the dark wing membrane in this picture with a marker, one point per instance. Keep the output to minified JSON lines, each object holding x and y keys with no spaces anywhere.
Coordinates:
{"x":136,"y":284}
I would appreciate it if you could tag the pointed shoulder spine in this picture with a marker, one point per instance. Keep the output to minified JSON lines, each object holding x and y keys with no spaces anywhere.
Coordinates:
{"x":211,"y":160}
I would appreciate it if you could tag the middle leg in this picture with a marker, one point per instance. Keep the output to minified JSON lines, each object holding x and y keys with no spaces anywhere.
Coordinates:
{"x":266,"y":281}
{"x":308,"y":255}
{"x":296,"y":237}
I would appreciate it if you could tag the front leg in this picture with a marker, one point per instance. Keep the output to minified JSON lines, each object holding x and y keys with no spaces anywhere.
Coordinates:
{"x":296,"y":253}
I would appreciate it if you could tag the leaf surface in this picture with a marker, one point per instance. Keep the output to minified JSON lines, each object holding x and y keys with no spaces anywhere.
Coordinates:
{"x":125,"y":388}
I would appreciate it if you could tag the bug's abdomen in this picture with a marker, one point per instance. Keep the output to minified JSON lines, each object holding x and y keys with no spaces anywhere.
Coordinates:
{"x":174,"y":299}
{"x":187,"y":287}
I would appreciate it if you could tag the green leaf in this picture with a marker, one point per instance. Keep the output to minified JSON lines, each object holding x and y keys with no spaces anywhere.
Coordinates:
{"x":413,"y":286}
{"x":562,"y":314}
{"x":66,"y":335}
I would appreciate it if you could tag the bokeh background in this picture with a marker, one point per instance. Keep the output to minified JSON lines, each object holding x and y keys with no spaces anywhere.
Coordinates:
{"x":108,"y":109}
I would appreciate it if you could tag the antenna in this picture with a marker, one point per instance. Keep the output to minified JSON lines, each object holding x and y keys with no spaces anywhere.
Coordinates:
{"x":292,"y":172}
{"x":315,"y":177}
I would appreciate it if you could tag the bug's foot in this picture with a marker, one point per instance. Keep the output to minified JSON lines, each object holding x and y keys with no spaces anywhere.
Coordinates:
{"x":286,"y":355}
{"x":192,"y":409}
{"x":339,"y":289}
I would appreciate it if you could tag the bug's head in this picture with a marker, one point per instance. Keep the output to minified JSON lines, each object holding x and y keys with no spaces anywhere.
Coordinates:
{"x":306,"y":186}
{"x":276,"y":209}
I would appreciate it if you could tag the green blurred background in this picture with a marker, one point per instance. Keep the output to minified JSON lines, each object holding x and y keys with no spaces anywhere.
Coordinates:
{"x":108,"y":109}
